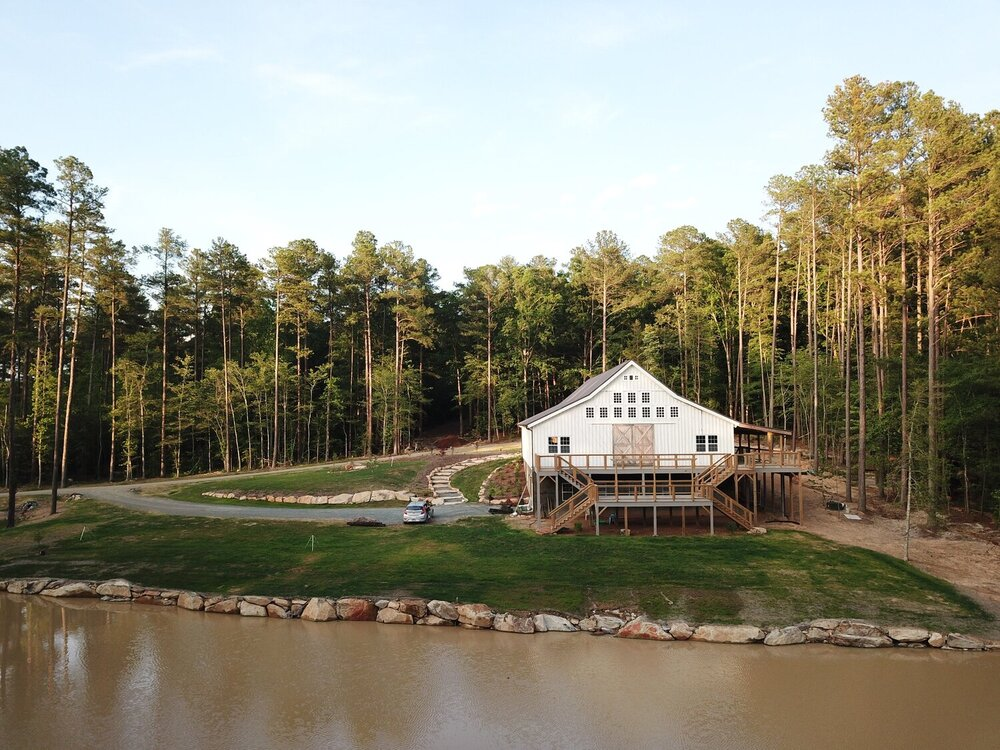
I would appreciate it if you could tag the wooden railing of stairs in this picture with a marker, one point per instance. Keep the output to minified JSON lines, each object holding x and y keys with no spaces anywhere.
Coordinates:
{"x":707,"y":484}
{"x":576,"y":505}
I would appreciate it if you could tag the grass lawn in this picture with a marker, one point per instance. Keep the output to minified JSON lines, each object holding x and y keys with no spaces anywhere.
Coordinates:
{"x":777,"y":579}
{"x":468,"y":481}
{"x":376,"y":475}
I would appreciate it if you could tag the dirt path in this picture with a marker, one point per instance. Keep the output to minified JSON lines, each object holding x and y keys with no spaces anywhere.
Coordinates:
{"x":969,"y":560}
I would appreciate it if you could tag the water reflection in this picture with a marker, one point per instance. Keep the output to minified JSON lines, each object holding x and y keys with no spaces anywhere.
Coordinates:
{"x":85,"y":674}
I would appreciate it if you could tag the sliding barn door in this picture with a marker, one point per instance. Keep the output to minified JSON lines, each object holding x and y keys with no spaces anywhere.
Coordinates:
{"x":629,"y":442}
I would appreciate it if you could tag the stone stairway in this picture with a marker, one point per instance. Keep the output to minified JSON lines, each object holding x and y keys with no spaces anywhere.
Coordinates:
{"x":439,"y":480}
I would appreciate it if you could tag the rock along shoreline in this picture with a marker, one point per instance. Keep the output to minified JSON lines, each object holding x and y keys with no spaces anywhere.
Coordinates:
{"x":436,"y":612}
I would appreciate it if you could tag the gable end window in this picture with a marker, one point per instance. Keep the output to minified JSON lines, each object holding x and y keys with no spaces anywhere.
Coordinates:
{"x":617,"y":398}
{"x":553,"y":445}
{"x":645,"y":412}
{"x":713,"y":443}
{"x":659,"y":412}
{"x":645,"y":398}
{"x":631,"y":398}
{"x":674,"y":412}
{"x":604,"y":412}
{"x":631,"y":412}
{"x":618,"y":412}
{"x":558,"y":444}
{"x":590,"y":412}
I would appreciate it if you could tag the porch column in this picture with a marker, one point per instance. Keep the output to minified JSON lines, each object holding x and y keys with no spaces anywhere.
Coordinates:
{"x":655,"y":509}
{"x":711,"y":519}
{"x":597,"y":519}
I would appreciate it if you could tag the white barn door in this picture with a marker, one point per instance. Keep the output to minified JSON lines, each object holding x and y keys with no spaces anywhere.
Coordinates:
{"x":629,"y":441}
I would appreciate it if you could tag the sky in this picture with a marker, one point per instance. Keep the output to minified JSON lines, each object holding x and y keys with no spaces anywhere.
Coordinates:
{"x":469,"y":131}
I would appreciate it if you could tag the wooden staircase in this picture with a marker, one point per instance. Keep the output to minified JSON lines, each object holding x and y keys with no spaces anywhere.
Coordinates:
{"x":707,"y":484}
{"x":577,"y":505}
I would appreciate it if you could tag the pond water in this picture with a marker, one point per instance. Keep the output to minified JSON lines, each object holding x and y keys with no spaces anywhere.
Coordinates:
{"x":77,"y":674}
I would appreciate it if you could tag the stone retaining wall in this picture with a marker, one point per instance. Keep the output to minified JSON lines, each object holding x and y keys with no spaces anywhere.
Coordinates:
{"x":413,"y":611}
{"x":347,"y":498}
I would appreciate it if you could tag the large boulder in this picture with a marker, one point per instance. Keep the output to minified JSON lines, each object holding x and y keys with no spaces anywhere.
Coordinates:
{"x":957,"y":641}
{"x":362,"y":497}
{"x":790,"y":636}
{"x":474,"y":615}
{"x":680,"y":630}
{"x":356,"y":609}
{"x":230,"y":605}
{"x":278,"y":610}
{"x":190,"y":600}
{"x":118,"y":588}
{"x":260,"y":601}
{"x":248,"y":609}
{"x":391,"y":616}
{"x":442,"y":609}
{"x":416,"y":608}
{"x":937,"y":640}
{"x":319,"y":610}
{"x":859,"y":635}
{"x":72,"y":589}
{"x":728,"y":634}
{"x":553,"y":624}
{"x":508,"y":623}
{"x":27,"y":585}
{"x":642,"y":629}
{"x":909,"y":635}
{"x":601,"y":624}
{"x":341,"y":499}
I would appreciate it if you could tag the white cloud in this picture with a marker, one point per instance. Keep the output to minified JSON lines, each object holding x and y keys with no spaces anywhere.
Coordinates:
{"x":318,"y":83}
{"x":644,"y":181}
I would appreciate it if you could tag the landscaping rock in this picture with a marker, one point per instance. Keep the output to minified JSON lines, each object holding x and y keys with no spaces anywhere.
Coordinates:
{"x":728,"y":634}
{"x":260,"y":601}
{"x":825,"y":624}
{"x":361,"y":497}
{"x":416,"y":608}
{"x":442,"y":609}
{"x":757,"y":531}
{"x":230,"y":605}
{"x":859,"y":635}
{"x":508,"y":623}
{"x":645,"y":630}
{"x":118,"y":588}
{"x":276,"y":610}
{"x":434,"y":620}
{"x":909,"y":635}
{"x":73,"y":589}
{"x":189,"y":600}
{"x":601,"y":624}
{"x":356,"y":610}
{"x":252,"y":610}
{"x":553,"y":624}
{"x":474,"y":615}
{"x":341,"y":499}
{"x":956,"y":641}
{"x":392,"y":616}
{"x":319,"y":610}
{"x":680,"y":631}
{"x":381,"y":603}
{"x":937,"y":640}
{"x":789,"y":636}
{"x":27,"y":585}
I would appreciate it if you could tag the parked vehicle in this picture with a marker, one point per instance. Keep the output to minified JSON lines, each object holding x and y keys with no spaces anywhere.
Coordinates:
{"x":418,"y":511}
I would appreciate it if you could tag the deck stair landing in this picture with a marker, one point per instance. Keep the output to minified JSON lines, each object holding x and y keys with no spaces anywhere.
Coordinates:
{"x":707,"y":484}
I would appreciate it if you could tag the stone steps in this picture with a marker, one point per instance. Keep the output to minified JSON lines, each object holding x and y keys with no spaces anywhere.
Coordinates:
{"x":439,"y":480}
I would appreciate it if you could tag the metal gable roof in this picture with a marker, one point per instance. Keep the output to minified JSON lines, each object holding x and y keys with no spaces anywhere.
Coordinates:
{"x":588,"y":388}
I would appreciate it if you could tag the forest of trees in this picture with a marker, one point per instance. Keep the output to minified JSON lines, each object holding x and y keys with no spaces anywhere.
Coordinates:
{"x":864,"y":316}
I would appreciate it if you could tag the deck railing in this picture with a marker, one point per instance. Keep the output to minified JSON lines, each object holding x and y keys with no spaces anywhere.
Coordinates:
{"x":693,"y":462}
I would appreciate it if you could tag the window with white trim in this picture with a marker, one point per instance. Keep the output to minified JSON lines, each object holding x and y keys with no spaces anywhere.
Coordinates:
{"x":617,"y":398}
{"x":659,"y":412}
{"x":645,"y":412}
{"x":631,"y":412}
{"x":618,"y":412}
{"x":590,"y":412}
{"x":553,"y":444}
{"x":708,"y":443}
{"x":631,"y":398}
{"x":604,"y":412}
{"x":564,"y":444}
{"x":674,"y":412}
{"x":645,"y":398}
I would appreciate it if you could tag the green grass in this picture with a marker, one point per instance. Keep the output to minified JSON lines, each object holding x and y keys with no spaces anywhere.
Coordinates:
{"x":777,"y":579}
{"x":468,"y":481}
{"x":381,"y":475}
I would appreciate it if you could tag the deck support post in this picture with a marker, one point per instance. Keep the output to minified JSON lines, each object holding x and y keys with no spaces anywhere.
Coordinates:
{"x":655,"y":509}
{"x":683,"y":521}
{"x":597,"y":519}
{"x":799,"y":482}
{"x":626,"y":520}
{"x":755,"y":498}
{"x":711,"y":519}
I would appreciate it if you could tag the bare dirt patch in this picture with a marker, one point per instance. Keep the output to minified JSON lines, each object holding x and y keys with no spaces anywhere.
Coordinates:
{"x":966,"y":554}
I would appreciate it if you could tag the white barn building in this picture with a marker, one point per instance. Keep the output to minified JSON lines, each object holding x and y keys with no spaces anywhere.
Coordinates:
{"x":623,"y":440}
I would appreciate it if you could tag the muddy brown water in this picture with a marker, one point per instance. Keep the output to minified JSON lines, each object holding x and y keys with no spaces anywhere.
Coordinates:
{"x":102,"y":675}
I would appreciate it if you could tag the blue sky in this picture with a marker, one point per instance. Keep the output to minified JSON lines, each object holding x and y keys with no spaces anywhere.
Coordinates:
{"x":467,"y":131}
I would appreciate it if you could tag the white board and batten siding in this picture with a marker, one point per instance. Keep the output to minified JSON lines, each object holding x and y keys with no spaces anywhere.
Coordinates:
{"x":589,"y":422}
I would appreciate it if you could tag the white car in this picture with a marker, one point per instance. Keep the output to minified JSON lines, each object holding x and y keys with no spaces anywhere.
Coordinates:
{"x":418,"y":511}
